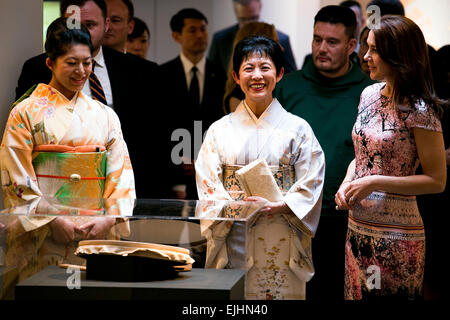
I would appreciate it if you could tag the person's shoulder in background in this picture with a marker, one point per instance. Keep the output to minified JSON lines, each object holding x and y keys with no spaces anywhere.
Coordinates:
{"x":34,"y":71}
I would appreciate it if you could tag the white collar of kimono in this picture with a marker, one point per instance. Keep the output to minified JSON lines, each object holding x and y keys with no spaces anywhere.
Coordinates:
{"x":187,"y":64}
{"x":271,"y":112}
{"x":99,"y":59}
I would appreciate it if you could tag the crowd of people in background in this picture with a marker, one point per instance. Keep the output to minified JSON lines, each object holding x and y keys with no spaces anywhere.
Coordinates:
{"x":165,"y":111}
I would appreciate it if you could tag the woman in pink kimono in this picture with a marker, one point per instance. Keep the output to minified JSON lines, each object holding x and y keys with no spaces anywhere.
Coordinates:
{"x":279,"y":263}
{"x":61,"y":144}
{"x":397,"y":128}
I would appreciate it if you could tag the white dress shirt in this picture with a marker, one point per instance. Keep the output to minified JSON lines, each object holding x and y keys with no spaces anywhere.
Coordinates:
{"x":102,"y":74}
{"x":187,"y":66}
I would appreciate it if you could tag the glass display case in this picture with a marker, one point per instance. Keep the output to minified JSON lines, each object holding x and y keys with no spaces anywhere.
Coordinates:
{"x":46,"y":234}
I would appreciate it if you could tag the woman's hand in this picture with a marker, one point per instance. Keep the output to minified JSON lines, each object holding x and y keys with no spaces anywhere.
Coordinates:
{"x":63,"y":230}
{"x":97,"y":228}
{"x":278,"y":207}
{"x":352,"y":192}
{"x":339,"y":198}
{"x":359,"y":189}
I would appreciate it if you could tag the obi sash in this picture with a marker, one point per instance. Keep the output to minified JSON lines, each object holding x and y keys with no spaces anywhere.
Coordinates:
{"x":69,"y":173}
{"x":284,"y":176}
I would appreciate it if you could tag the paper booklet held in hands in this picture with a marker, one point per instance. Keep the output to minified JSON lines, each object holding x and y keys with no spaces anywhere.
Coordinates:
{"x":257,"y":180}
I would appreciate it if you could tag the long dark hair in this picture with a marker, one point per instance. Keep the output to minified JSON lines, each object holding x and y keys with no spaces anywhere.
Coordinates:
{"x":401,"y":44}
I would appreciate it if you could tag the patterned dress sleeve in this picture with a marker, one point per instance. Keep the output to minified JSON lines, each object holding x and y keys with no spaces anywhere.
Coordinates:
{"x":119,"y":173}
{"x":424,"y":117}
{"x":17,"y":174}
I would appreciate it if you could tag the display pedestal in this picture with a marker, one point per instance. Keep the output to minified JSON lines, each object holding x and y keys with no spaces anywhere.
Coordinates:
{"x":199,"y":284}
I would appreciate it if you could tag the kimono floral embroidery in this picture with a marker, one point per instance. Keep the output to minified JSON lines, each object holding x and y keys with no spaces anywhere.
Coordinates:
{"x":291,"y":149}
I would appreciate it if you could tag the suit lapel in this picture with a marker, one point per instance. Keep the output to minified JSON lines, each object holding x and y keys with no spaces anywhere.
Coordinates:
{"x":179,"y":74}
{"x":114,"y":66}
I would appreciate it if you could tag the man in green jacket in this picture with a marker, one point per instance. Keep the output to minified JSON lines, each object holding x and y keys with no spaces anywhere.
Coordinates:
{"x":326,"y":94}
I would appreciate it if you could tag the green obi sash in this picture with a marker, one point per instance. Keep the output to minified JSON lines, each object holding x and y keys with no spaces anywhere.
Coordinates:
{"x":70,"y":176}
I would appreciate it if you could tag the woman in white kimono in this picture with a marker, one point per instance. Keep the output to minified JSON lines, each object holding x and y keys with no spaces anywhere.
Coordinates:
{"x":280,"y":262}
{"x":62,"y":144}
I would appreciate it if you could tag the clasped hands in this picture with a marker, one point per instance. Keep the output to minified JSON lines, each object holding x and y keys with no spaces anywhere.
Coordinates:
{"x":352,"y":192}
{"x":64,"y":230}
{"x":278,"y":207}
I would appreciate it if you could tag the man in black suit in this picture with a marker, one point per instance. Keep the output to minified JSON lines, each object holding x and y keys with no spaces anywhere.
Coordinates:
{"x":115,"y":71}
{"x":222,"y":44}
{"x":194,"y":98}
{"x":127,"y":82}
{"x":121,"y":24}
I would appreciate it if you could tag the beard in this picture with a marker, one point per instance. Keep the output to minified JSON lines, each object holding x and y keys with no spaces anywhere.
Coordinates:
{"x":331,"y":66}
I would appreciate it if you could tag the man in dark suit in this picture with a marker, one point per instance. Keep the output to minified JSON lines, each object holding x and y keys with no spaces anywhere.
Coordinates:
{"x":222,"y":44}
{"x":115,"y":71}
{"x":194,"y":98}
{"x":121,"y":24}
{"x":124,"y":79}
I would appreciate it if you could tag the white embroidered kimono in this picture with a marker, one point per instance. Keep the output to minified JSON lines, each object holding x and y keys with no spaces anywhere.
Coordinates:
{"x":279,"y":259}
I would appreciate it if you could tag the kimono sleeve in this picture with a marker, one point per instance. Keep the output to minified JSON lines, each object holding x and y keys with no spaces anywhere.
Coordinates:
{"x":305,"y":196}
{"x":208,"y":168}
{"x":119,"y":173}
{"x":17,"y":174}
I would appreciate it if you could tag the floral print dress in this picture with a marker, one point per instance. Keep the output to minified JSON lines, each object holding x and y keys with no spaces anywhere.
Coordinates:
{"x":385,"y":245}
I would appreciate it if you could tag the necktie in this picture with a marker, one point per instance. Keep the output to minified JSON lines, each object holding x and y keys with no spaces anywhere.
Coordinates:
{"x":194,"y":91}
{"x":96,"y":87}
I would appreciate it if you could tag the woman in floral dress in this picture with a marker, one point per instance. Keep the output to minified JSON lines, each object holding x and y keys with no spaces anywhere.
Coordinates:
{"x":397,"y":128}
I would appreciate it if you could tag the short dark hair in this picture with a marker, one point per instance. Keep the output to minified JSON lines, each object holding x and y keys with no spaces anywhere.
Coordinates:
{"x":60,"y":37}
{"x":177,"y":21}
{"x":388,"y":6}
{"x":139,"y":27}
{"x":338,"y":14}
{"x":257,"y":44}
{"x":350,"y":3}
{"x":130,"y":7}
{"x":66,"y":3}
